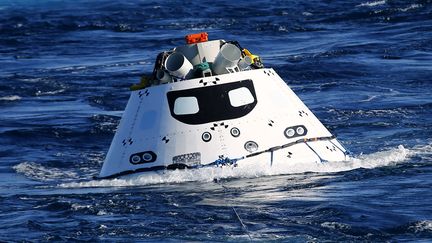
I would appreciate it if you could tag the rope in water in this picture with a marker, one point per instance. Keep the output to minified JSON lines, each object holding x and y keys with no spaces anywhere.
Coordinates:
{"x":244,"y":227}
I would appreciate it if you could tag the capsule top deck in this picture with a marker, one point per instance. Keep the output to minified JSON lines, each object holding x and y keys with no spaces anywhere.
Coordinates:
{"x":200,"y":58}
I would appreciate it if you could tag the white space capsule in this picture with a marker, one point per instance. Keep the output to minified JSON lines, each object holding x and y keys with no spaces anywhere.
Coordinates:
{"x":209,"y":108}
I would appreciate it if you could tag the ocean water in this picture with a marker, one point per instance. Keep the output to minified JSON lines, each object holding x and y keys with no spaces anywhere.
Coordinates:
{"x":363,"y":67}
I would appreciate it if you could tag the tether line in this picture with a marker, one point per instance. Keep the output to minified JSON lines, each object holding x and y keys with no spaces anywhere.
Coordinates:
{"x":245,"y":229}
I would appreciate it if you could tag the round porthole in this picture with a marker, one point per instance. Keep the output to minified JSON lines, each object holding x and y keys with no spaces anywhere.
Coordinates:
{"x":235,"y":132}
{"x":206,"y":137}
{"x":300,"y":130}
{"x":251,"y":146}
{"x":135,"y":159}
{"x":147,"y":157}
{"x":289,"y":132}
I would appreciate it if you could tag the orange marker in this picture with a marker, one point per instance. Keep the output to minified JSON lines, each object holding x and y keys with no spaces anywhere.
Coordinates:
{"x":196,"y":38}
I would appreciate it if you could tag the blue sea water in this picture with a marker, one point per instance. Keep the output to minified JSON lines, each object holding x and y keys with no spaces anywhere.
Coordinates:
{"x":363,"y":67}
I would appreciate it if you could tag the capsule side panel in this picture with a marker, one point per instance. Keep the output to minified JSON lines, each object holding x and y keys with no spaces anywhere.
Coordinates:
{"x":327,"y":151}
{"x":277,"y":110}
{"x":116,"y":153}
{"x":303,"y":111}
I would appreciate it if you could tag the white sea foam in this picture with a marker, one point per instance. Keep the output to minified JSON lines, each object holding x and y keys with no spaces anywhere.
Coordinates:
{"x":40,"y":93}
{"x":335,"y":225}
{"x":76,"y":206}
{"x":422,"y":226}
{"x":372,"y":3}
{"x":378,"y":159}
{"x":282,"y":28}
{"x":10,"y":98}
{"x":38,"y":172}
{"x":102,"y":212}
{"x":412,"y":6}
{"x":31,"y":80}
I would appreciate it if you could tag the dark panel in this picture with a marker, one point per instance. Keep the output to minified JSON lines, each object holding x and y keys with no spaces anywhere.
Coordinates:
{"x":213,"y":101}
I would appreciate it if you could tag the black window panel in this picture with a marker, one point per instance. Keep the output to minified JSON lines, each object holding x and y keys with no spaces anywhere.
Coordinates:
{"x":213,"y":101}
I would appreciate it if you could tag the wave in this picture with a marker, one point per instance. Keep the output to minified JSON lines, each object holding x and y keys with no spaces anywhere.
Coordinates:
{"x":41,"y":173}
{"x":378,"y":159}
{"x":410,"y":7}
{"x":369,"y":98}
{"x":363,"y":113}
{"x":372,"y":4}
{"x":421,"y":226}
{"x":40,"y":93}
{"x":10,"y":98}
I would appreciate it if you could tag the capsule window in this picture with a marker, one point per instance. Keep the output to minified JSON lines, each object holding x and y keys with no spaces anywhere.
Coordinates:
{"x":186,"y":106}
{"x":240,"y":97}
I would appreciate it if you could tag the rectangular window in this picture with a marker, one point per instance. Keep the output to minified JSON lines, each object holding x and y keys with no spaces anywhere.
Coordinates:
{"x":186,"y":106}
{"x":241,"y":96}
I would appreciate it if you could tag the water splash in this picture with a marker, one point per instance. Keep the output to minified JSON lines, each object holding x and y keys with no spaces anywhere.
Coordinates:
{"x":378,"y":159}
